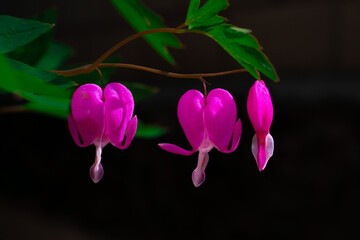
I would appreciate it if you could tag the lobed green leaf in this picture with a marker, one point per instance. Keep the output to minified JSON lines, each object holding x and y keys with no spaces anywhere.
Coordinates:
{"x":243,"y":47}
{"x":238,"y":42}
{"x":206,"y":15}
{"x":193,"y":8}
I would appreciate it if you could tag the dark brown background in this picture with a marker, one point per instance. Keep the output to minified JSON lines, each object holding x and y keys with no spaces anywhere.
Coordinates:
{"x":309,"y":190}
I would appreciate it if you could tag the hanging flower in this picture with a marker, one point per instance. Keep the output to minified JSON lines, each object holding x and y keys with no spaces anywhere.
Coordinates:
{"x":99,"y":117}
{"x":260,"y":110}
{"x":207,"y":122}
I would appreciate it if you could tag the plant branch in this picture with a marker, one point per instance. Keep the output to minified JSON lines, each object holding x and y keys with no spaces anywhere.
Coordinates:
{"x":153,"y":70}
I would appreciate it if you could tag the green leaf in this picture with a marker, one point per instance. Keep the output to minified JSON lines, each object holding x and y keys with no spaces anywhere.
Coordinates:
{"x":43,"y":52}
{"x":13,"y":80}
{"x":257,"y":59}
{"x":206,"y":15}
{"x":141,"y":18}
{"x":16,"y":32}
{"x":206,"y":22}
{"x":8,"y":80}
{"x":243,"y":47}
{"x":32,"y":52}
{"x":238,"y":42}
{"x":54,"y":106}
{"x":46,"y":76}
{"x":34,"y":85}
{"x":148,"y":131}
{"x":193,"y":8}
{"x":54,"y":57}
{"x":230,"y":33}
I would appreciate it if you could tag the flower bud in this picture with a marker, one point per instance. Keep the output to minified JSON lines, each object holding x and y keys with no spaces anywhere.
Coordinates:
{"x":260,"y":111}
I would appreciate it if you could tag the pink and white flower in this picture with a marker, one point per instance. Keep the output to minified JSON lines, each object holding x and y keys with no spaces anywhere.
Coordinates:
{"x":99,"y":117}
{"x":207,"y":122}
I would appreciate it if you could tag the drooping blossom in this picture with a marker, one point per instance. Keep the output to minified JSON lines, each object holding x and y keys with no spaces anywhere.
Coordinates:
{"x":99,"y":117}
{"x":207,"y":122}
{"x":260,"y":110}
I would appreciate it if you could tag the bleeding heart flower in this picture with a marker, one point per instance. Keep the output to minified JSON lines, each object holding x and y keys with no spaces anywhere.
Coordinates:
{"x":207,"y":122}
{"x":260,"y":110}
{"x":99,"y":117}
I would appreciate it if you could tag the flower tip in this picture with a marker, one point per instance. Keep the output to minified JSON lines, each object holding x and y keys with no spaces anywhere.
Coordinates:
{"x":262,"y":150}
{"x":261,"y":167}
{"x":198,"y":177}
{"x":96,"y":172}
{"x":164,"y":146}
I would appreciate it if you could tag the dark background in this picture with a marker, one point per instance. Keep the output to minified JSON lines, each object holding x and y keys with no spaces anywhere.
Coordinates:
{"x":309,"y":189}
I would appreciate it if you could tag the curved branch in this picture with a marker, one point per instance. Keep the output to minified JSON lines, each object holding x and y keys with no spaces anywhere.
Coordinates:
{"x":67,"y":73}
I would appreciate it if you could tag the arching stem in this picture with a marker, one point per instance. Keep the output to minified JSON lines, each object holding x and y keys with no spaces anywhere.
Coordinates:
{"x":68,"y":73}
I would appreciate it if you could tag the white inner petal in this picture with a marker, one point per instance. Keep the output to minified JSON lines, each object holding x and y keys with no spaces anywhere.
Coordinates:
{"x":269,"y":148}
{"x":254,"y":148}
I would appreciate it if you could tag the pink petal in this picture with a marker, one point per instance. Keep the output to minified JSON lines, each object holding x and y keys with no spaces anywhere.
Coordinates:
{"x":119,"y":108}
{"x":198,"y":175}
{"x":190,"y":113}
{"x":259,"y":107}
{"x":219,"y":118}
{"x":130,"y":133}
{"x":262,"y":148}
{"x":87,"y":114}
{"x":96,"y":171}
{"x":175,"y":149}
